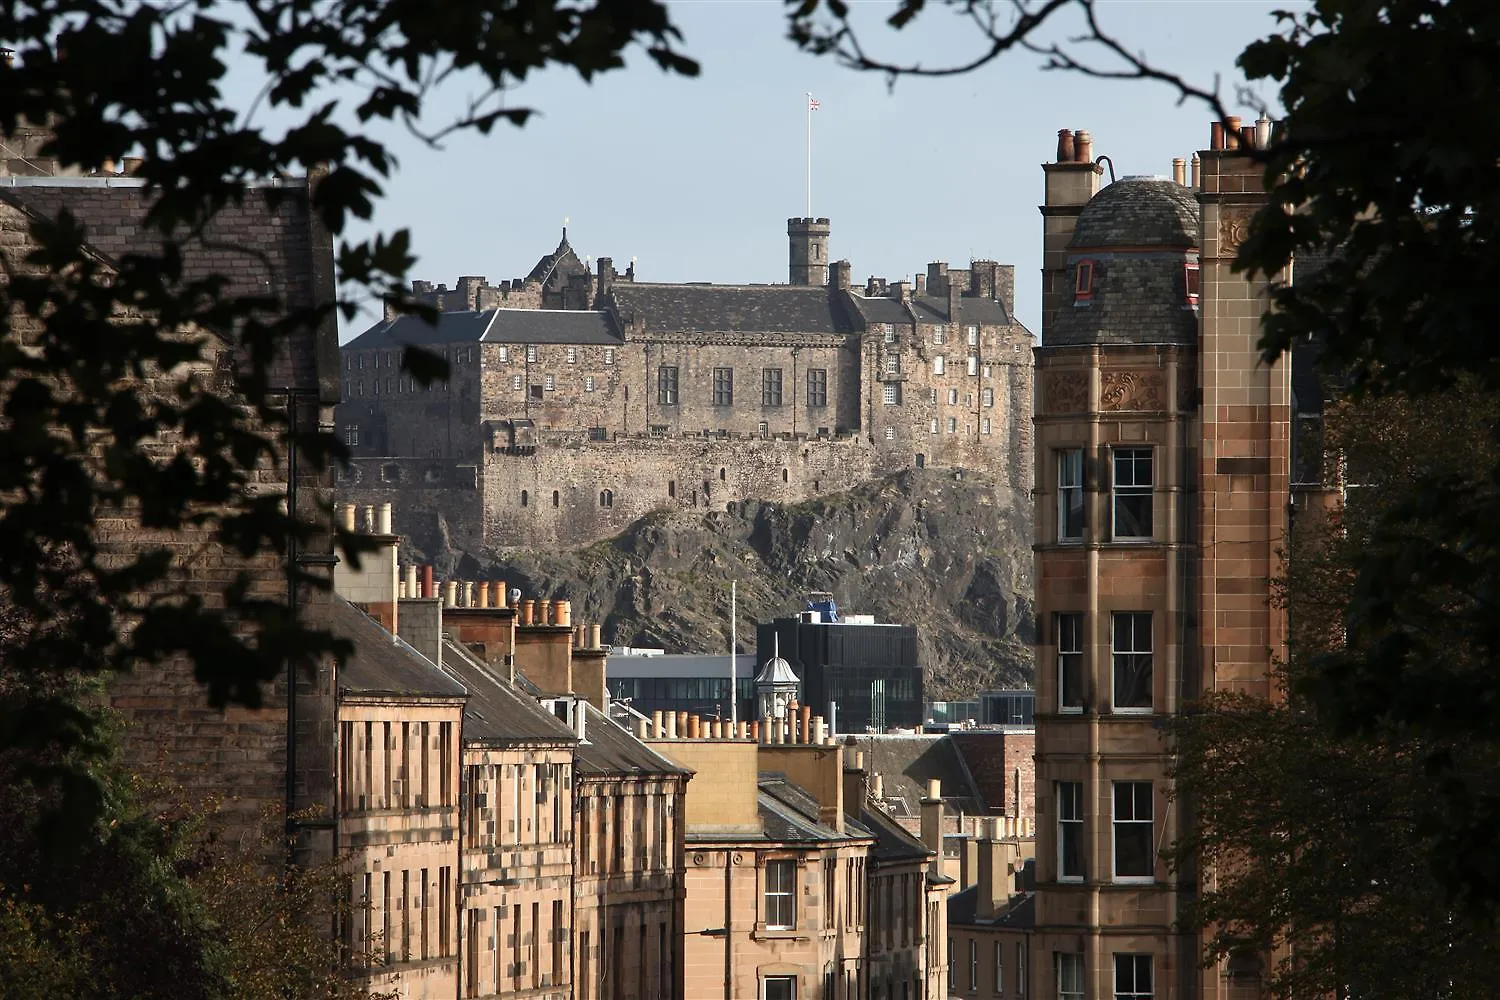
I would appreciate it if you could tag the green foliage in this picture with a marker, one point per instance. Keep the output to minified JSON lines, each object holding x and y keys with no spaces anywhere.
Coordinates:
{"x":109,"y":409}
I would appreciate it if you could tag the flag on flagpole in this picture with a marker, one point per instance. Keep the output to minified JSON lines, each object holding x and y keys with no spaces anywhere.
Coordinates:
{"x":812,"y":103}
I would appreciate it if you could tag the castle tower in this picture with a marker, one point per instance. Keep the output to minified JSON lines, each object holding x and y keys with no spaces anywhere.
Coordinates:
{"x":809,"y":251}
{"x":1154,"y":556}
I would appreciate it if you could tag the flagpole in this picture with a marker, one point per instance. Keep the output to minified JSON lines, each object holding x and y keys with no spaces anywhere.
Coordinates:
{"x":808,"y":147}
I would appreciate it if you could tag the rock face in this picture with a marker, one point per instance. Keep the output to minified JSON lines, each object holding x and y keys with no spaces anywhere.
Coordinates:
{"x":946,"y":551}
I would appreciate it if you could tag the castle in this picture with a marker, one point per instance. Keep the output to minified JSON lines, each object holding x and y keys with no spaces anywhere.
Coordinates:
{"x":579,"y":400}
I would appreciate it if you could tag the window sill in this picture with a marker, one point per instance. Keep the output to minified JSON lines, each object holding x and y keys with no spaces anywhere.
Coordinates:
{"x":1133,"y":880}
{"x":1070,"y":711}
{"x":761,"y":933}
{"x":1138,"y":712}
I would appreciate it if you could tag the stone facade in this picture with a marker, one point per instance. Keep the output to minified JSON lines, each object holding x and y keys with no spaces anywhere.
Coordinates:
{"x":562,"y":424}
{"x":1162,"y":464}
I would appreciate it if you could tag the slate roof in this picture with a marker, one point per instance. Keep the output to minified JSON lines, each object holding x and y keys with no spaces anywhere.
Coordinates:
{"x":892,"y":842}
{"x":608,"y":749}
{"x":505,"y":326}
{"x":879,"y":309}
{"x":788,"y":813}
{"x":1138,"y":298}
{"x":381,"y":663}
{"x":496,"y":713}
{"x":1138,"y":211}
{"x":662,"y":308}
{"x":550,"y":262}
{"x":905,"y":763}
{"x":977,"y":310}
{"x":1019,"y":913}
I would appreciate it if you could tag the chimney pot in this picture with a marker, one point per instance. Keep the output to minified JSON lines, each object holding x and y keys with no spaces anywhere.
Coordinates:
{"x":1065,"y":150}
{"x":528,"y":612}
{"x":350,"y":514}
{"x":468,"y":593}
{"x":563,"y":611}
{"x":934,"y":788}
{"x":411,"y":580}
{"x":370,"y":520}
{"x":384,"y":516}
{"x":450,"y":594}
{"x":1262,"y":132}
{"x":427,"y":590}
{"x":544,"y":611}
{"x":1216,"y":135}
{"x":594,"y":642}
{"x":1083,"y":146}
{"x":484,"y":593}
{"x":1179,"y":170}
{"x":671,"y":725}
{"x":754,"y":731}
{"x":1197,"y":167}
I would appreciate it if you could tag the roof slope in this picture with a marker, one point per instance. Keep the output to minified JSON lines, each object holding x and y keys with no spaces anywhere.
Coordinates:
{"x":892,"y":842}
{"x":608,"y":749}
{"x":1019,"y":913}
{"x":506,"y":326}
{"x":788,"y":813}
{"x":906,"y":763}
{"x":660,"y":308}
{"x":496,"y":712}
{"x":382,"y":663}
{"x":1138,"y":212}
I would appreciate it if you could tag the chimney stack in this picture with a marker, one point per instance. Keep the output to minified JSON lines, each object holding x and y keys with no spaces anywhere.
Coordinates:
{"x":932,"y":821}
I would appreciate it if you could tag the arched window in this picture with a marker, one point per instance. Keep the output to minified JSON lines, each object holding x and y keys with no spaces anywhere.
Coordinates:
{"x":606,"y":498}
{"x":784,"y":476}
{"x":524,"y":498}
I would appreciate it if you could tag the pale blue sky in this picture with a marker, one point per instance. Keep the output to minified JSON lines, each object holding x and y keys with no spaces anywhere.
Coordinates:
{"x":696,"y":177}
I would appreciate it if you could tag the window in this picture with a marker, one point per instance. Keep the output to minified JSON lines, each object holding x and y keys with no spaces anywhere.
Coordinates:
{"x":1070,"y":495}
{"x":1069,"y":976}
{"x":973,"y":365}
{"x":937,"y":335}
{"x":893,"y":364}
{"x":531,"y":353}
{"x":515,"y":383}
{"x":609,"y":355}
{"x":1069,"y":831}
{"x":1132,"y":661}
{"x":572,"y":355}
{"x":817,"y":387}
{"x":1083,"y":281}
{"x":1135,"y":854}
{"x":770,"y":387}
{"x":890,"y":433}
{"x":723,"y":386}
{"x":1070,"y":662}
{"x":504,"y":352}
{"x":999,"y":968}
{"x":952,"y":397}
{"x":549,"y":383}
{"x":887,"y":333}
{"x":588,"y":383}
{"x":606,"y":498}
{"x":1192,"y":281}
{"x":666,"y":385}
{"x":986,"y":425}
{"x":952,"y":425}
{"x":891,"y":395}
{"x":524,"y":498}
{"x":933,"y":426}
{"x":780,"y":892}
{"x":939,"y":364}
{"x":1133,"y":977}
{"x":987,"y":397}
{"x":973,"y":966}
{"x":779,"y":988}
{"x":1020,"y":969}
{"x":375,"y":387}
{"x":556,"y":498}
{"x":351,"y":434}
{"x":1131,"y":502}
{"x":985,"y":371}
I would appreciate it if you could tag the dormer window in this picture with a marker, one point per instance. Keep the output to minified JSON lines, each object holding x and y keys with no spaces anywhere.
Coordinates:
{"x":1191,"y":282}
{"x":1083,"y":281}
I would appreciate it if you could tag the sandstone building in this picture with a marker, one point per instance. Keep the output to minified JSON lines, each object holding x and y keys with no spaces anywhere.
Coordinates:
{"x":1163,"y":450}
{"x":579,"y":401}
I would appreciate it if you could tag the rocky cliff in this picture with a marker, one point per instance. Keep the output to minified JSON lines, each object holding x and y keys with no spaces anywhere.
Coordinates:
{"x":946,"y":551}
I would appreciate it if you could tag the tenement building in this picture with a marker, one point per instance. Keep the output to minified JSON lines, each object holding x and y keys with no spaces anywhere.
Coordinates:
{"x":578,"y":400}
{"x":1162,"y":464}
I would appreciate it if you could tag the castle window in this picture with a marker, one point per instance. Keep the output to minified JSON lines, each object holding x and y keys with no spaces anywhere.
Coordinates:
{"x":785,"y":476}
{"x":524,"y":498}
{"x":607,"y":498}
{"x":672,"y":489}
{"x":938,"y":335}
{"x":389,"y":384}
{"x":952,"y":425}
{"x":549,"y":383}
{"x":890,"y":433}
{"x":531,"y":353}
{"x":817,"y":387}
{"x":721,"y":474}
{"x":658,"y":430}
{"x":556,"y":498}
{"x":770,"y":387}
{"x":666,"y":385}
{"x":598,"y":434}
{"x":572,"y":355}
{"x":891,"y":395}
{"x":515,"y":383}
{"x":973,"y":365}
{"x":932,"y":395}
{"x":933,"y":427}
{"x":888,"y":333}
{"x":939,"y":364}
{"x":536,"y":392}
{"x":1131,"y":500}
{"x":987,"y":396}
{"x":1083,"y":280}
{"x":893,"y":364}
{"x":985,"y":371}
{"x":765,"y":429}
{"x":351,"y":434}
{"x":609,"y":355}
{"x":986,"y":425}
{"x":588,"y":383}
{"x":1192,"y":281}
{"x":723,"y":386}
{"x":359,"y":387}
{"x":973,"y":334}
{"x":361,"y":362}
{"x":952,"y":397}
{"x":504,"y":352}
{"x":1131,"y":654}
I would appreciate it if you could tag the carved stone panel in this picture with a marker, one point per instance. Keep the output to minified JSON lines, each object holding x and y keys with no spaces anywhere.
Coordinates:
{"x":1234,"y":226}
{"x":1132,"y":391}
{"x":1065,"y":392}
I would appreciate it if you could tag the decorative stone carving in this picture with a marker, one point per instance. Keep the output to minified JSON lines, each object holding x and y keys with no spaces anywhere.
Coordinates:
{"x":1132,"y":391}
{"x":1065,"y":392}
{"x":1234,"y":226}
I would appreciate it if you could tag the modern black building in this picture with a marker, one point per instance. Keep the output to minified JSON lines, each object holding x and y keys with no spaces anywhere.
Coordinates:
{"x":868,"y":669}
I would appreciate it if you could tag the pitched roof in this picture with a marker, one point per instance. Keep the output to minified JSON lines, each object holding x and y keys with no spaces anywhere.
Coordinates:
{"x":1019,"y":913}
{"x":892,"y":842}
{"x":496,"y":712}
{"x":905,"y":763}
{"x":608,"y":749}
{"x":505,"y":326}
{"x":383,"y":664}
{"x":564,"y":256}
{"x":879,"y":309}
{"x":976,"y":310}
{"x":662,"y":308}
{"x":788,"y":813}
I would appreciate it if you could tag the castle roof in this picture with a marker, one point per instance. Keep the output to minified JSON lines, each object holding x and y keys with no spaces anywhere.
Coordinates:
{"x":694,"y":308}
{"x":563,"y":259}
{"x":505,"y":326}
{"x":976,"y":310}
{"x":1138,"y":212}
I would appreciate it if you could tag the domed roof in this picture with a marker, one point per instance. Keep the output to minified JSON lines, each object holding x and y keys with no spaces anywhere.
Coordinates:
{"x":1139,"y":211}
{"x":776,"y":671}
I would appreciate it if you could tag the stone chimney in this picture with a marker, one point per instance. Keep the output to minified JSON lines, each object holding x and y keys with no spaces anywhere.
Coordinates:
{"x":1069,"y":184}
{"x":932,"y":821}
{"x":375,"y":586}
{"x":994,"y":879}
{"x":840,"y":275}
